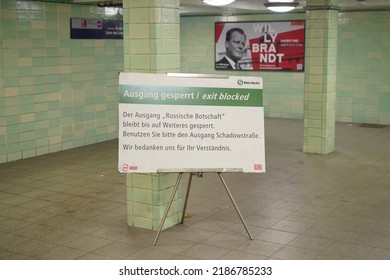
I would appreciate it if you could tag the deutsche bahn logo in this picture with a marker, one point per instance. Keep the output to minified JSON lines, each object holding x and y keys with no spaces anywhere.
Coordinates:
{"x":258,"y":167}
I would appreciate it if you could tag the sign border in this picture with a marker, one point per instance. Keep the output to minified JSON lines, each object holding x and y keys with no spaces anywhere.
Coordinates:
{"x":217,"y":34}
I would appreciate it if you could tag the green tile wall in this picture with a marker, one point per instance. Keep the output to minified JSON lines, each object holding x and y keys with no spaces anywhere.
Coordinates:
{"x":283,"y":91}
{"x":363,"y":92}
{"x":55,"y":93}
{"x":3,"y":156}
{"x":363,"y":86}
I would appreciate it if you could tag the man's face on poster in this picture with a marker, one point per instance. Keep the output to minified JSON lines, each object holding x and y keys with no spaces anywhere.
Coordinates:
{"x":235,"y":47}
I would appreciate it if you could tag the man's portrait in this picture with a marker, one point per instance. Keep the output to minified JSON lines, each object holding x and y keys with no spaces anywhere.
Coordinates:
{"x":235,"y":44}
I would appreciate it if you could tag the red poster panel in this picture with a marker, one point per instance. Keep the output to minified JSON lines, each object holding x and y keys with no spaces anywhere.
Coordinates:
{"x":260,"y":46}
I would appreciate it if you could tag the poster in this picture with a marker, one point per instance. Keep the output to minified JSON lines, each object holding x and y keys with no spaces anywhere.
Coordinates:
{"x":254,"y":46}
{"x":81,"y":28}
{"x":180,"y":123}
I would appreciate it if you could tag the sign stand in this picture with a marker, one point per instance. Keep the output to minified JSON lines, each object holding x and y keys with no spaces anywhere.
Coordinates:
{"x":198,"y":174}
{"x":199,"y":123}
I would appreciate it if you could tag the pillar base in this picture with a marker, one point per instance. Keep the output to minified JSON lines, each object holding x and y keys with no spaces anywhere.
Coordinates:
{"x":147,"y":198}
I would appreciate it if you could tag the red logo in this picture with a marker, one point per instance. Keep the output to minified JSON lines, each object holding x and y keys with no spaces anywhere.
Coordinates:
{"x":126,"y":167}
{"x":258,"y":167}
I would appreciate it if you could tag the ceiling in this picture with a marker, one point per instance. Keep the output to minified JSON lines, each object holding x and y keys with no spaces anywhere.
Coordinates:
{"x":197,"y":7}
{"x":257,"y":6}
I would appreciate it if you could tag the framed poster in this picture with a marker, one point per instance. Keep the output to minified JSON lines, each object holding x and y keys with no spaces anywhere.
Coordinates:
{"x":254,"y":46}
{"x":190,"y":123}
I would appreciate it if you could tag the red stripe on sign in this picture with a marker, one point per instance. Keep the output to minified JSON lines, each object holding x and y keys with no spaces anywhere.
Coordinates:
{"x":297,"y":23}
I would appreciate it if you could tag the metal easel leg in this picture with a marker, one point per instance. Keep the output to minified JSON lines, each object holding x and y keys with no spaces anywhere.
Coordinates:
{"x":186,"y":199}
{"x":168,"y":207}
{"x":235,"y":205}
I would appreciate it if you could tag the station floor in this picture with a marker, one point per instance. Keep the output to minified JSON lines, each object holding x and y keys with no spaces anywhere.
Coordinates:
{"x":72,"y":205}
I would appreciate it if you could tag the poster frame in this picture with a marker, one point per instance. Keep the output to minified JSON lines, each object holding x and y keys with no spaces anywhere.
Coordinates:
{"x":219,"y":38}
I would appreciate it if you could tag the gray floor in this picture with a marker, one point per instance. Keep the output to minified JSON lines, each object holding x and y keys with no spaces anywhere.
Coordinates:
{"x":71,"y":205}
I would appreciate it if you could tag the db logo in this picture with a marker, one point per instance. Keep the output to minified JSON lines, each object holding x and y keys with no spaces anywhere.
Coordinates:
{"x":126,"y":167}
{"x":258,"y":167}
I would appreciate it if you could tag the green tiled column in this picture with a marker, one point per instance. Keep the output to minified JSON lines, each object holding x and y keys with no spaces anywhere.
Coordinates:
{"x":320,"y":76}
{"x":151,"y":45}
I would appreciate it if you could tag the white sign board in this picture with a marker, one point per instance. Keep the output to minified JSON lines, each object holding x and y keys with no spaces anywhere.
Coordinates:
{"x":178,"y":123}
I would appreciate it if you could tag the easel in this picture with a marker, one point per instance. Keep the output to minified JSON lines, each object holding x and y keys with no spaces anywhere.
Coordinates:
{"x":248,"y":107}
{"x":198,"y":174}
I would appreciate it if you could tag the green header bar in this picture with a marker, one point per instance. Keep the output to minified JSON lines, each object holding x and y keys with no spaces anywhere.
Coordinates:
{"x":190,"y":96}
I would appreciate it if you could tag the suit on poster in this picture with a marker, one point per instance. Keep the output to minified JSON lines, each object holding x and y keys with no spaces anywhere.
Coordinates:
{"x":235,"y":49}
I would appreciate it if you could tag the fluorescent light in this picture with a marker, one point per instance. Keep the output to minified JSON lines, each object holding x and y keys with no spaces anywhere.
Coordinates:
{"x":218,"y":2}
{"x":281,"y":6}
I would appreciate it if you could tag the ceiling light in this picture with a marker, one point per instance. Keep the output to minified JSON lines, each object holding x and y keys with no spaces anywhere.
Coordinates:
{"x":281,"y":6}
{"x":218,"y":2}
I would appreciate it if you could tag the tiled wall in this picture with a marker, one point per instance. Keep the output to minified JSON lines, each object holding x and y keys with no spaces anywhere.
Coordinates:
{"x":283,"y":91}
{"x":363,"y":84}
{"x":364,"y":67}
{"x":3,"y":157}
{"x":55,"y":93}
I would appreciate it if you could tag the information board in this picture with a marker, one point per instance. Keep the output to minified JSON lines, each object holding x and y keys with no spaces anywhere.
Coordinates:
{"x":179,"y":122}
{"x":81,"y":28}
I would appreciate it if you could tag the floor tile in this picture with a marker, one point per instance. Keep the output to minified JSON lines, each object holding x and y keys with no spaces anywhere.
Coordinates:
{"x":294,"y":253}
{"x":226,"y":241}
{"x":240,"y":255}
{"x":150,"y":253}
{"x":72,"y":205}
{"x":206,"y":252}
{"x":87,"y":243}
{"x":117,"y":250}
{"x":263,"y":248}
{"x":61,"y":253}
{"x":31,"y":248}
{"x":276,"y":236}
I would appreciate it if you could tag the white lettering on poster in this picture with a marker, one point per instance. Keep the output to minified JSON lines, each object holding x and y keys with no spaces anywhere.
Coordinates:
{"x":267,"y":49}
